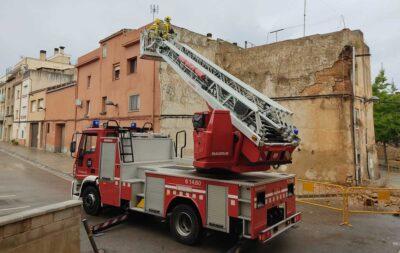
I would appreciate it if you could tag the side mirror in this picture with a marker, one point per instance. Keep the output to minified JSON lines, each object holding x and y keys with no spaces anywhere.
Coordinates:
{"x":72,"y":147}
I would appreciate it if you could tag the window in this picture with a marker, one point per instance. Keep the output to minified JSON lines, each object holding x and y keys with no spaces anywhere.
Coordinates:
{"x":40,"y":104}
{"x":116,"y":71}
{"x":357,"y":118}
{"x":33,"y":106}
{"x":260,"y":199}
{"x":22,"y":134}
{"x":134,"y":103}
{"x":17,"y":93}
{"x":104,"y":51}
{"x":48,"y":128}
{"x":88,"y":145}
{"x":87,"y":108}
{"x":103,"y":105}
{"x":132,"y":63}
{"x":88,"y":81}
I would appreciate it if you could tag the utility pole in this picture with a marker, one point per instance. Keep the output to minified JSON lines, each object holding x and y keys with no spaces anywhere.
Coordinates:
{"x":154,"y":9}
{"x":304,"y":21}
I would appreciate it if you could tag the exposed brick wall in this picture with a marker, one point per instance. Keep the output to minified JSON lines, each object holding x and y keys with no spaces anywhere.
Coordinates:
{"x":53,"y":228}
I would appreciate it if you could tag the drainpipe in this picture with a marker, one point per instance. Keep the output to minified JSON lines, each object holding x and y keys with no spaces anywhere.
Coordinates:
{"x":357,"y":172}
{"x":154,"y":94}
{"x":76,"y":97}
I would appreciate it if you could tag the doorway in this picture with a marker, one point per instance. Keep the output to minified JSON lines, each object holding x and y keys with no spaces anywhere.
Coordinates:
{"x":59,"y":138}
{"x":34,"y":135}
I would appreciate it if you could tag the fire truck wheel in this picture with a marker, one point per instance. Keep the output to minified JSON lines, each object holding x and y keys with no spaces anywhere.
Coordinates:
{"x":185,"y":224}
{"x":91,"y":200}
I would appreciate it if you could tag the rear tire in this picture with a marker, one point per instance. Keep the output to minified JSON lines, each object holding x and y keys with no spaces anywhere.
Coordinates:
{"x":185,"y":224}
{"x":91,"y":200}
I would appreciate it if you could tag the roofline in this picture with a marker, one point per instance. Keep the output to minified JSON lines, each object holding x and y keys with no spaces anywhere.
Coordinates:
{"x":122,"y":31}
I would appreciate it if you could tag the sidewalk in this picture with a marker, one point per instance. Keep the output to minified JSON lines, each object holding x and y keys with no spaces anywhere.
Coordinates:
{"x":56,"y":163}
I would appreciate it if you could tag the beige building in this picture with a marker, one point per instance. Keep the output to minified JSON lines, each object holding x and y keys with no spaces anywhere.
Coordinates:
{"x":26,"y":83}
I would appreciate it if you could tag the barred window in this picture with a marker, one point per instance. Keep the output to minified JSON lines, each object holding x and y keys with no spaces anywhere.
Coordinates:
{"x":134,"y":103}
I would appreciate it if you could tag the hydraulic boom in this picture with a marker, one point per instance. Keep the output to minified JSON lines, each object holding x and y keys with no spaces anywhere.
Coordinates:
{"x":261,"y":120}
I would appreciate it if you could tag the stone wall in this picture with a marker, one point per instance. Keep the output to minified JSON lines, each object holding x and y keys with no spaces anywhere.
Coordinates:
{"x":53,"y":228}
{"x":393,"y":156}
{"x":313,"y":77}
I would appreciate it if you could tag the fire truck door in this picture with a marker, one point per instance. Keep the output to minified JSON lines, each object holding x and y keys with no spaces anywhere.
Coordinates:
{"x":109,"y":170}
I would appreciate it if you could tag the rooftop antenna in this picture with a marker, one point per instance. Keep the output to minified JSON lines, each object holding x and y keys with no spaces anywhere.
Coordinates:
{"x":154,"y":9}
{"x":276,"y":34}
{"x":344,"y":23}
{"x":304,"y":20}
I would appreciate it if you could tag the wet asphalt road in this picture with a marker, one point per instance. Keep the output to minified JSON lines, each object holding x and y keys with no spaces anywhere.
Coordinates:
{"x":24,"y":186}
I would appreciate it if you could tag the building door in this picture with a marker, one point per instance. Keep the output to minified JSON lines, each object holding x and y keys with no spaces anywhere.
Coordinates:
{"x":34,"y":135}
{"x":59,"y":140}
{"x":9,"y":133}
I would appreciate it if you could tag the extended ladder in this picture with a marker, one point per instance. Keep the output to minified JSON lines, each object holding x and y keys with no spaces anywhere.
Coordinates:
{"x":259,"y":118}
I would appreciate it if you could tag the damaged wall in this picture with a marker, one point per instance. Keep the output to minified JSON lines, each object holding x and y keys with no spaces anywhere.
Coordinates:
{"x":312,"y":76}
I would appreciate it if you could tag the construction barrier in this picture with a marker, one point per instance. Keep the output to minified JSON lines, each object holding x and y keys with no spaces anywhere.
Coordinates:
{"x":348,"y":200}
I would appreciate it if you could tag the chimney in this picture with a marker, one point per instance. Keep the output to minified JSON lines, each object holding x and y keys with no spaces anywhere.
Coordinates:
{"x":62,"y":49}
{"x":55,"y":50}
{"x":42,"y":55}
{"x":209,"y":35}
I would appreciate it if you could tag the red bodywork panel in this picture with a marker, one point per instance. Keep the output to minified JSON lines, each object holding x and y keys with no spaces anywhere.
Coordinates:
{"x":219,"y":145}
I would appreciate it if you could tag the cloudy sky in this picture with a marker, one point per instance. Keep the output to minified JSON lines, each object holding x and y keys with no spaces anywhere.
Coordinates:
{"x":26,"y":26}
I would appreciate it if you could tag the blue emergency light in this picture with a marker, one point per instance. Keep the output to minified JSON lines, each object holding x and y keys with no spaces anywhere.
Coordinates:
{"x":133,"y":125}
{"x":96,"y":123}
{"x":296,"y":131}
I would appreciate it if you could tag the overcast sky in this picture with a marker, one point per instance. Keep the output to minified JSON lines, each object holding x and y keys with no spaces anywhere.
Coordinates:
{"x":26,"y":26}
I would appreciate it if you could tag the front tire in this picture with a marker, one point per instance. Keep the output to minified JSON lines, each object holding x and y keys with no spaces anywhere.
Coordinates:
{"x":91,"y":200}
{"x":185,"y":224}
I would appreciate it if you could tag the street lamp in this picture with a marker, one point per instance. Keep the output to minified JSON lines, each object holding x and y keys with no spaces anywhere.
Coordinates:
{"x":373,"y":99}
{"x":109,"y":102}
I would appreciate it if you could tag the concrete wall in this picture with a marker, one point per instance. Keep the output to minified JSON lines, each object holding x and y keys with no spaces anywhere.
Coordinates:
{"x":53,"y":228}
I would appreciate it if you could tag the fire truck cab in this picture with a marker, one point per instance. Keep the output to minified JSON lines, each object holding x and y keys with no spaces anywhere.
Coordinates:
{"x":138,"y":170}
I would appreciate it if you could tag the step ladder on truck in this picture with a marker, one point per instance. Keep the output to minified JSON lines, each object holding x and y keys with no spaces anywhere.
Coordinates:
{"x":225,"y":187}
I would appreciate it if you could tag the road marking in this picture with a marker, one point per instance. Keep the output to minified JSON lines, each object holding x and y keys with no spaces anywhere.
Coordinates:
{"x":14,"y":208}
{"x":8,"y":196}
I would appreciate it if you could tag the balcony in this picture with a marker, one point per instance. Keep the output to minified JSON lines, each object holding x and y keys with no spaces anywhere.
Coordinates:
{"x":2,"y":98}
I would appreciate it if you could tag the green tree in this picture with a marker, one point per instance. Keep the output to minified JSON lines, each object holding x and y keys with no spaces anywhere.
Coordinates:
{"x":386,"y":112}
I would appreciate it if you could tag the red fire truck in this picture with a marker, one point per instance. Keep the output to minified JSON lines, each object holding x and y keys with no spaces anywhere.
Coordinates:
{"x":224,"y":187}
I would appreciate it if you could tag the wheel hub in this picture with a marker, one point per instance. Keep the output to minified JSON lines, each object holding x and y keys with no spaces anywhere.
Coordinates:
{"x":184,"y":224}
{"x":90,"y":200}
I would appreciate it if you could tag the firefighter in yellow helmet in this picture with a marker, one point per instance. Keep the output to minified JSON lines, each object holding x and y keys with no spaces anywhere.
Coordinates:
{"x":167,"y":26}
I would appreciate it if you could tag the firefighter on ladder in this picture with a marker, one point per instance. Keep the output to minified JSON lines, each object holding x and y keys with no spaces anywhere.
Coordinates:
{"x":161,"y":28}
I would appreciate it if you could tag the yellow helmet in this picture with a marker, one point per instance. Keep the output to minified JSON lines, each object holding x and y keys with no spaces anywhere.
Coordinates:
{"x":167,"y":19}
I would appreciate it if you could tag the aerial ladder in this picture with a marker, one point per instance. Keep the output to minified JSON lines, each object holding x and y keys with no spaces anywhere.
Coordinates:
{"x":263,"y":133}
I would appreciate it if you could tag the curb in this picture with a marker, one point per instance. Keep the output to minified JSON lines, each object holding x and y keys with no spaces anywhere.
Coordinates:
{"x":39,"y":165}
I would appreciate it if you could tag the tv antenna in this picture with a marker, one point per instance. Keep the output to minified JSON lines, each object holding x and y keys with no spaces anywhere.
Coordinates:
{"x":154,"y":9}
